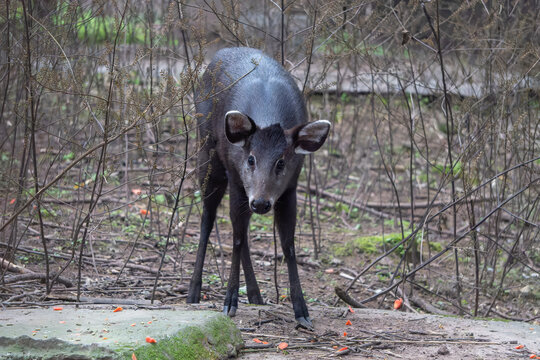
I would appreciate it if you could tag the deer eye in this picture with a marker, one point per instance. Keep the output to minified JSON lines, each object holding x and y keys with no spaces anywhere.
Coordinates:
{"x":251,"y":160}
{"x":280,"y":165}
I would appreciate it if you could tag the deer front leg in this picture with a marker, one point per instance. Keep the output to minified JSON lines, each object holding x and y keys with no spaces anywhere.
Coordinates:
{"x":285,"y":216}
{"x":240,"y":215}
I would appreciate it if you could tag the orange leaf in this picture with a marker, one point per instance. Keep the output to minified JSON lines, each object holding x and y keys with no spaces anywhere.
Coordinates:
{"x":533,"y":356}
{"x":150,"y":322}
{"x":118,"y":309}
{"x":257,"y":341}
{"x":334,"y":347}
{"x":265,"y":342}
{"x":150,"y":340}
{"x":282,"y":346}
{"x":58,"y":308}
{"x":132,"y":324}
{"x":12,"y":202}
{"x":344,"y":334}
{"x":348,"y":322}
{"x":343,"y":349}
{"x":351,"y":309}
{"x":519,"y":347}
{"x":136,"y":191}
{"x":398,"y":303}
{"x":144,"y":211}
{"x":133,"y":357}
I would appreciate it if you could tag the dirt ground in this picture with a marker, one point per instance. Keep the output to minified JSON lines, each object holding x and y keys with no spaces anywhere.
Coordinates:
{"x":123,"y":255}
{"x":409,"y":333}
{"x":381,"y":334}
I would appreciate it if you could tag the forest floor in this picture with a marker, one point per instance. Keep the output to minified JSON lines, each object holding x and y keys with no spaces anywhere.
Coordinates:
{"x":408,"y":333}
{"x":353,"y":220}
{"x":382,"y":334}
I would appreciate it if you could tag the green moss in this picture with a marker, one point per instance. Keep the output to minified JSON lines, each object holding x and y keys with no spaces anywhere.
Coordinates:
{"x":214,"y":342}
{"x":363,"y":244}
{"x":370,"y":244}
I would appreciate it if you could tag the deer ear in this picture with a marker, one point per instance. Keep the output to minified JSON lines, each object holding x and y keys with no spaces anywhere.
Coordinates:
{"x":238,"y":127}
{"x":310,"y":137}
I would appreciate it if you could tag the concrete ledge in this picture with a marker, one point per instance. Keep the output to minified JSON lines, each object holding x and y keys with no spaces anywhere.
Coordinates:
{"x":100,"y":333}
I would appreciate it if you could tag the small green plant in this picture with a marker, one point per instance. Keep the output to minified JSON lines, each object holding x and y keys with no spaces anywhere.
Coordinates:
{"x":456,"y":171}
{"x":261,"y":223}
{"x":214,"y":279}
{"x":69,"y":156}
{"x":160,"y":199}
{"x":435,"y":246}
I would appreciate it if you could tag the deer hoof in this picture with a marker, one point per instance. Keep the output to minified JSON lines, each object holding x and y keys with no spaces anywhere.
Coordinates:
{"x":304,"y":322}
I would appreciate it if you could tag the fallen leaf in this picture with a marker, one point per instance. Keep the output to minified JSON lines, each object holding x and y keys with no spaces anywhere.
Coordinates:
{"x":133,"y":357}
{"x":61,"y":322}
{"x":351,"y":309}
{"x":132,"y":324}
{"x":58,"y":308}
{"x":150,"y":340}
{"x":150,"y":322}
{"x":257,"y":341}
{"x":519,"y":347}
{"x":343,"y":349}
{"x":533,"y":356}
{"x":334,"y":347}
{"x":118,"y":309}
{"x":348,"y":322}
{"x":265,"y":342}
{"x":344,"y":334}
{"x":398,"y":303}
{"x":282,"y":346}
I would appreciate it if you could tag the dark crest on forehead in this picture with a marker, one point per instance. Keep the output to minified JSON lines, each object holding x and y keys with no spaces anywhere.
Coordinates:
{"x":270,"y":140}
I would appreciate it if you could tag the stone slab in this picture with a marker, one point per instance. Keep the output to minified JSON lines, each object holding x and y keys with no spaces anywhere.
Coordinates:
{"x":100,"y":333}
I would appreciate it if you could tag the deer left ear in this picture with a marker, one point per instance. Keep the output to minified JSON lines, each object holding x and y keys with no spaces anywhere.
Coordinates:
{"x":238,"y":127}
{"x":308,"y":138}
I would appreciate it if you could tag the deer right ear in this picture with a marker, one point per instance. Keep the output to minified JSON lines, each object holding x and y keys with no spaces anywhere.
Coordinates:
{"x":238,"y":127}
{"x":310,"y":137}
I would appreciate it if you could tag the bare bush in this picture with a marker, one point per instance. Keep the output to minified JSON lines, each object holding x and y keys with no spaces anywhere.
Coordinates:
{"x":435,"y":108}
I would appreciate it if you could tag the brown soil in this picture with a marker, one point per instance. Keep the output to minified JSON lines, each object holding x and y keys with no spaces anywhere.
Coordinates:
{"x":381,"y":334}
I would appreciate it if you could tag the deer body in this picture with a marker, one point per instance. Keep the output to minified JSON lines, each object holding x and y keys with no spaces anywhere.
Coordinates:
{"x":254,"y":132}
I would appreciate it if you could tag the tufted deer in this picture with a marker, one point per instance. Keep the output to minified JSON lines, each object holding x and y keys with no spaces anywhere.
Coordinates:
{"x":253,"y":125}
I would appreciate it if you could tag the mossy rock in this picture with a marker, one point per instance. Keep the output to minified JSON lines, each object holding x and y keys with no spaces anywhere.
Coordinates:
{"x":219,"y":339}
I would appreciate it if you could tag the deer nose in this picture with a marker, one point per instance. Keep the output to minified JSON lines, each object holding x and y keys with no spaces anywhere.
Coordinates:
{"x":260,"y":206}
